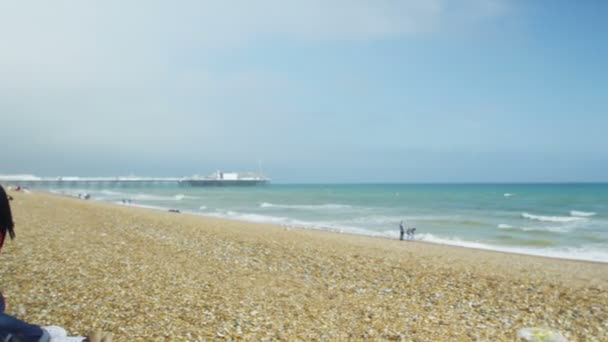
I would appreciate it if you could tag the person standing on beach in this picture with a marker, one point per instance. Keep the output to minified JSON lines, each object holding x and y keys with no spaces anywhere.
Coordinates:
{"x":401,"y":231}
{"x":11,"y":328}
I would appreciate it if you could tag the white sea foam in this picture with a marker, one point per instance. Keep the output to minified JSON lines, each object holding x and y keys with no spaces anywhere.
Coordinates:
{"x":150,"y":197}
{"x":326,"y":206}
{"x":111,"y":193}
{"x":508,"y":194}
{"x":581,"y":213}
{"x":290,"y":222}
{"x":202,"y":207}
{"x":100,"y":195}
{"x":563,"y":229}
{"x":383,"y":225}
{"x":250,"y":217}
{"x":551,"y":218}
{"x":392,"y":220}
{"x":377,"y":220}
{"x":180,"y":197}
{"x":591,"y":253}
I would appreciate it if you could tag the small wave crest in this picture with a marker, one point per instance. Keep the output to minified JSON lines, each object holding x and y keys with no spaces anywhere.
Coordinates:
{"x":508,"y":194}
{"x":180,"y":197}
{"x":536,"y":229}
{"x":551,"y":218}
{"x":150,"y":197}
{"x":577,"y":213}
{"x":327,"y":206}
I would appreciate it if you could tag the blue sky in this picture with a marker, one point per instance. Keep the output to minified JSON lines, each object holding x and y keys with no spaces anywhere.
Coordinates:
{"x":319,"y":91}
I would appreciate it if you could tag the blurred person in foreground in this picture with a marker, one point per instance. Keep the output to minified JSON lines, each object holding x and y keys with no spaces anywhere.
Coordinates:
{"x":11,"y":328}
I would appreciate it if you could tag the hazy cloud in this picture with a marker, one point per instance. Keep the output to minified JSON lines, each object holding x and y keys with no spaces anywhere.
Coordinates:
{"x":119,"y":82}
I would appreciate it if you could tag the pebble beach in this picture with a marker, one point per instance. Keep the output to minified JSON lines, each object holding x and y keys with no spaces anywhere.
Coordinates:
{"x":150,"y":275}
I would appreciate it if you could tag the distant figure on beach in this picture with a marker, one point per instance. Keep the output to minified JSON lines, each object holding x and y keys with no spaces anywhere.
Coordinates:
{"x":401,"y":231}
{"x":410,"y":233}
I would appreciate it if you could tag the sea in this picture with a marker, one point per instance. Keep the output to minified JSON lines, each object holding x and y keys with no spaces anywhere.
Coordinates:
{"x":553,"y":220}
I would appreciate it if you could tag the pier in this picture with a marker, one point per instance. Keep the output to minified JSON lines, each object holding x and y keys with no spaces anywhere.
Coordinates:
{"x":128,"y":181}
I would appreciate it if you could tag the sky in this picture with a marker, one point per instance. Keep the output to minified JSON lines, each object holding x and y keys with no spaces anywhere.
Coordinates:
{"x":313,"y":91}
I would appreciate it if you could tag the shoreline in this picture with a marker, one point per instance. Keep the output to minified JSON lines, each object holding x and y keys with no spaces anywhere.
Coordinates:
{"x":463,"y":244}
{"x":372,"y":236}
{"x":148,"y":274}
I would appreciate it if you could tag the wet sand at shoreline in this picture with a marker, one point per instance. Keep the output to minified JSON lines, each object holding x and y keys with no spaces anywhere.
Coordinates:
{"x":151,"y":275}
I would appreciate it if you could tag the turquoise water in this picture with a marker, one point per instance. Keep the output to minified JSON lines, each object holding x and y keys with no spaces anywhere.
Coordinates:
{"x":558,"y":220}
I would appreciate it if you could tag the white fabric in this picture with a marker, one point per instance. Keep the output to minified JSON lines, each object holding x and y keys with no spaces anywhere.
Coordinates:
{"x":58,"y":334}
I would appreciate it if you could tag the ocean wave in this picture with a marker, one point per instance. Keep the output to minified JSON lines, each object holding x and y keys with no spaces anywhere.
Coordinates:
{"x":508,"y":194}
{"x":98,"y":195}
{"x":327,"y":206}
{"x":588,"y":252}
{"x":551,"y":218}
{"x":111,"y":193}
{"x":331,"y":226}
{"x":234,"y":215}
{"x":377,"y":220}
{"x":536,"y":229}
{"x":180,"y":197}
{"x":539,"y":247}
{"x":577,"y":213}
{"x":151,"y":197}
{"x":409,"y":220}
{"x":202,"y":207}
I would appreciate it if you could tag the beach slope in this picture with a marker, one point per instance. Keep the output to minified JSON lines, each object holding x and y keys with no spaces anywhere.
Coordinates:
{"x":150,"y":275}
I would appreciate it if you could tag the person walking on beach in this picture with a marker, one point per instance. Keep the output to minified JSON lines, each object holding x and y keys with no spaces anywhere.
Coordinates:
{"x":401,"y":230}
{"x":11,"y":328}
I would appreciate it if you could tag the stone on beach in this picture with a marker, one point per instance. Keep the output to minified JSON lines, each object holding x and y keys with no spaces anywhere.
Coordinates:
{"x":152,"y":275}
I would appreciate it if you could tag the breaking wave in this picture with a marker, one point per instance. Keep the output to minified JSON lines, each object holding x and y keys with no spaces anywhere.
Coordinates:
{"x":327,"y":206}
{"x":592,"y":253}
{"x":536,"y":229}
{"x":577,"y":213}
{"x":180,"y":197}
{"x":551,"y":218}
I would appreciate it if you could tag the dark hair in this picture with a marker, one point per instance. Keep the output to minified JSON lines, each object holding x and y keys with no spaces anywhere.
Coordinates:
{"x":6,"y":218}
